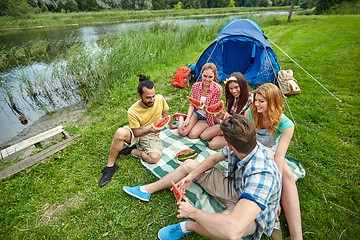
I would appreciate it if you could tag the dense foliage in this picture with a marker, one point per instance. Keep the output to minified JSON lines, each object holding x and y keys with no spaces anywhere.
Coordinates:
{"x":22,"y":7}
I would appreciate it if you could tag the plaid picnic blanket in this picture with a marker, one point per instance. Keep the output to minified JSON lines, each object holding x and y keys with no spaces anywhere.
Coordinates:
{"x":173,"y":143}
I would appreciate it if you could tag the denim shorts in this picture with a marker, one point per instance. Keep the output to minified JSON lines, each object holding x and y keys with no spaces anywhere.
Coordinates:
{"x":199,"y":116}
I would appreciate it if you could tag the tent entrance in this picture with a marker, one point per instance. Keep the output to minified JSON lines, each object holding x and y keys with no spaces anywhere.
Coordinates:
{"x":243,"y":61}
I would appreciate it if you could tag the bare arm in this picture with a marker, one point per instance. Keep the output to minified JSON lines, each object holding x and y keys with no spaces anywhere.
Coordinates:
{"x":190,"y":112}
{"x":142,"y":132}
{"x":221,"y":225}
{"x":246,"y":114}
{"x":282,"y":147}
{"x":200,"y":169}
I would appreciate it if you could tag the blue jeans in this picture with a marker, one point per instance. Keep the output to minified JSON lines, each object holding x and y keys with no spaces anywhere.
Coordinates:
{"x":199,"y":116}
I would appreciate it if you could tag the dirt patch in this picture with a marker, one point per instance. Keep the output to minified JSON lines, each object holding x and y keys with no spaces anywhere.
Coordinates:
{"x":54,"y":212}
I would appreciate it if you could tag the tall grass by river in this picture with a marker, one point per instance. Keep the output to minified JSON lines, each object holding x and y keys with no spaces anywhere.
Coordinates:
{"x":49,"y":19}
{"x":60,"y":199}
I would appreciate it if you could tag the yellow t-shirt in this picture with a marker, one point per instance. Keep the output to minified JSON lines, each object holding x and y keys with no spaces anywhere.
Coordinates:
{"x":140,"y":117}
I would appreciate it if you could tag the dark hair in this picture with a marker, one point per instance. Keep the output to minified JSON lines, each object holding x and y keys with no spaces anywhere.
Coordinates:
{"x":244,"y":93}
{"x":144,"y":82}
{"x":240,"y":133}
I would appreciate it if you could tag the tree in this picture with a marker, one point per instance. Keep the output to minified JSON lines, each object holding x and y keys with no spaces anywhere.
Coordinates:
{"x":68,"y":5}
{"x":323,"y":5}
{"x":158,"y":4}
{"x":14,"y":8}
{"x":305,"y":4}
{"x":291,"y":10}
{"x":179,"y":5}
{"x":232,"y":3}
{"x":87,"y":5}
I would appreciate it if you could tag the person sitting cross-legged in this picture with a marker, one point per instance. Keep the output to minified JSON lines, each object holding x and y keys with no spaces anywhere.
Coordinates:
{"x":250,"y":188}
{"x":141,"y":114}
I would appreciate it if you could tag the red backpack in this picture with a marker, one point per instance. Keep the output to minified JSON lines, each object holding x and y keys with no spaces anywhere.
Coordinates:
{"x":182,"y":77}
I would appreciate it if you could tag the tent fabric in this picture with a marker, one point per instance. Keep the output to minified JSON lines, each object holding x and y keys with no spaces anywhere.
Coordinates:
{"x":242,"y":47}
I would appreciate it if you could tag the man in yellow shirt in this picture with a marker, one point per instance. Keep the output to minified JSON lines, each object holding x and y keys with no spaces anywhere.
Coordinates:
{"x":141,"y":114}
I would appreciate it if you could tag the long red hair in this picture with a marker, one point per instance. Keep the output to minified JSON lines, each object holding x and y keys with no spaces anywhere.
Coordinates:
{"x":274,"y":99}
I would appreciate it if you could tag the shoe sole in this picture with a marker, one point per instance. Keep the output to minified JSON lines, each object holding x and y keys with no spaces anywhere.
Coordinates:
{"x":134,"y":195}
{"x":103,"y":185}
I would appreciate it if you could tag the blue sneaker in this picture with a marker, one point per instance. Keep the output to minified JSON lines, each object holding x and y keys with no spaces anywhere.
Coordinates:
{"x":172,"y":232}
{"x":135,"y":192}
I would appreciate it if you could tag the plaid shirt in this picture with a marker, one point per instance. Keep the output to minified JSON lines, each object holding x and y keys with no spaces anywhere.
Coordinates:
{"x":247,"y":105}
{"x":213,"y":96}
{"x":257,"y":178}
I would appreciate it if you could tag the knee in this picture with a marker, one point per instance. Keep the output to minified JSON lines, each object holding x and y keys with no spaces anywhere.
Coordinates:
{"x":192,"y":135}
{"x":212,"y":145}
{"x":189,"y":165}
{"x":288,"y":175}
{"x":182,"y":133}
{"x":203,"y":136}
{"x":154,"y":158}
{"x":121,"y":133}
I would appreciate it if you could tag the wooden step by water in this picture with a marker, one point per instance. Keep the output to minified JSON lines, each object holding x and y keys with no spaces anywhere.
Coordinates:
{"x":29,"y":161}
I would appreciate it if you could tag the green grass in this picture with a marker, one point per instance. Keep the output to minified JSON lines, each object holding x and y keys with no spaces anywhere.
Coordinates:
{"x":59,"y":198}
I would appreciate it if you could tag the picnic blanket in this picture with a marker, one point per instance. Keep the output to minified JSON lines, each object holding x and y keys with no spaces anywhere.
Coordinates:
{"x":173,"y":143}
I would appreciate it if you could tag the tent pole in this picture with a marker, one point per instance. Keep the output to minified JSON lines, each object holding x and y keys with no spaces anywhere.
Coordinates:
{"x":304,"y":70}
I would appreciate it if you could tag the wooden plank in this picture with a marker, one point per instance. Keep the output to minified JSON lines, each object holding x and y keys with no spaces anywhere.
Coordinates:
{"x":36,"y":158}
{"x":31,"y":141}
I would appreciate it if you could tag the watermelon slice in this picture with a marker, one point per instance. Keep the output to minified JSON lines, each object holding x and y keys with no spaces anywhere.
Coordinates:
{"x":194,"y":101}
{"x":185,"y":153}
{"x":179,"y":195}
{"x":193,"y":156}
{"x":216,"y":108}
{"x":160,"y":124}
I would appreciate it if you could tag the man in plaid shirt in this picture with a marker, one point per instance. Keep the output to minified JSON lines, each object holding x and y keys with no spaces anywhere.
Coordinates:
{"x":250,"y":189}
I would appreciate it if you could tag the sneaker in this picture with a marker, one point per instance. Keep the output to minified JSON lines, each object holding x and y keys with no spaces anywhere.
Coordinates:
{"x":172,"y":232}
{"x":127,"y":150}
{"x":276,"y":234}
{"x":135,"y":192}
{"x":108,"y":172}
{"x":177,"y":115}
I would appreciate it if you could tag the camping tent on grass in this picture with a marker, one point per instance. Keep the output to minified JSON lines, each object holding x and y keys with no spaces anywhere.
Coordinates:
{"x":241,"y":47}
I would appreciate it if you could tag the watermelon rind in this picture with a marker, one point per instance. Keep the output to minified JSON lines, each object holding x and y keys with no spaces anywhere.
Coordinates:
{"x":167,"y":119}
{"x":178,"y":194}
{"x":185,"y":152}
{"x":211,"y":109}
{"x":193,"y":156}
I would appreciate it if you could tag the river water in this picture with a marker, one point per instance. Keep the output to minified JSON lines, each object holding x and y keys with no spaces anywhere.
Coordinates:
{"x":13,"y":82}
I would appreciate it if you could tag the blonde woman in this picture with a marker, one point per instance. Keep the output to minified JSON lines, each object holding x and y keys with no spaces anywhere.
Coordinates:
{"x":275,"y":131}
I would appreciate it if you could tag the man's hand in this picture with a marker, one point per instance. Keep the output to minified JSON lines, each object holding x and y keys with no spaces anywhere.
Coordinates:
{"x":153,"y":130}
{"x":184,"y":183}
{"x":185,"y":209}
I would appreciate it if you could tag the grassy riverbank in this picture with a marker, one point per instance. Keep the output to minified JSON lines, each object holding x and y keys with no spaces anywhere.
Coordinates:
{"x":51,"y":19}
{"x":60,"y":199}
